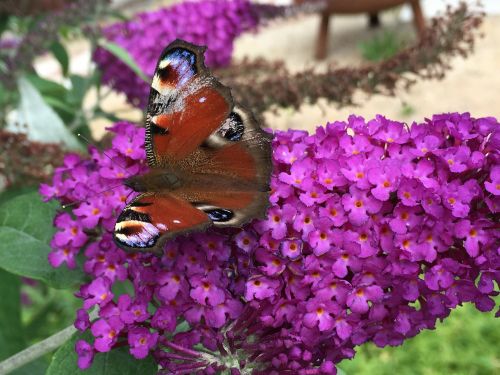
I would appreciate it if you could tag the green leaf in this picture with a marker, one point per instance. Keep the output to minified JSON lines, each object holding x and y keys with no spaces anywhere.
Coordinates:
{"x":15,"y":191}
{"x":11,"y":330}
{"x":11,"y":333}
{"x":59,"y":105}
{"x":36,"y":367}
{"x":125,"y":57}
{"x":79,"y":86}
{"x":4,"y":22}
{"x":107,"y":115}
{"x":47,"y":87}
{"x":3,"y":94}
{"x":41,"y":122}
{"x":116,"y":362}
{"x":61,"y":55}
{"x":25,"y":231}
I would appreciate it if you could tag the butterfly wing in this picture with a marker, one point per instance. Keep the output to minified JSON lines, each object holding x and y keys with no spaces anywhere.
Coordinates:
{"x":186,"y":104}
{"x":220,"y":157}
{"x":238,"y":158}
{"x":152,"y":218}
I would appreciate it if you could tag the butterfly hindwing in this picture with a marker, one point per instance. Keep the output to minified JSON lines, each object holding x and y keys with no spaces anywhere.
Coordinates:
{"x":150,"y":219}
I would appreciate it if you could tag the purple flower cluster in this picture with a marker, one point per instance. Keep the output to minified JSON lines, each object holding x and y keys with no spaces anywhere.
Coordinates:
{"x":211,"y":23}
{"x":375,"y":230}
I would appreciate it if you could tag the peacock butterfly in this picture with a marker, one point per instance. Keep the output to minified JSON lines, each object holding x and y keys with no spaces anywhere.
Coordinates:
{"x":210,"y":163}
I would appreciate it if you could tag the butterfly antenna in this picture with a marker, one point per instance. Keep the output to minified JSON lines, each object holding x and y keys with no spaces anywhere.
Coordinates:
{"x":64,"y":206}
{"x":109,"y":157}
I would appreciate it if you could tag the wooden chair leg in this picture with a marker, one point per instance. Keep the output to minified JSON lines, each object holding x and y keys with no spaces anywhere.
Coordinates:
{"x":373,"y":20}
{"x":418,"y":17}
{"x":322,"y":42}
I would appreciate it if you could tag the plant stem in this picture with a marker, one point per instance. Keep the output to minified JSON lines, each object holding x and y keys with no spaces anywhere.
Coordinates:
{"x":39,"y":349}
{"x":35,"y":351}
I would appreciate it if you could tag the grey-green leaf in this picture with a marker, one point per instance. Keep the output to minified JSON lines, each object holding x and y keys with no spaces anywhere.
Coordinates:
{"x":41,"y":121}
{"x":116,"y":362}
{"x":125,"y":57}
{"x":25,"y":232}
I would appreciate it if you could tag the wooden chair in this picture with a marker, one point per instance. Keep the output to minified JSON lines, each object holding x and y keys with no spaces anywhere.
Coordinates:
{"x":371,"y":7}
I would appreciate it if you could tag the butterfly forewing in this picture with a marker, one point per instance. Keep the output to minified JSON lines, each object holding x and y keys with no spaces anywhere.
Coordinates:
{"x":187,"y":104}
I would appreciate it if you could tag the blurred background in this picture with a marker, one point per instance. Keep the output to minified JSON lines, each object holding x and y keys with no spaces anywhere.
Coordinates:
{"x":470,"y":84}
{"x":71,"y":67}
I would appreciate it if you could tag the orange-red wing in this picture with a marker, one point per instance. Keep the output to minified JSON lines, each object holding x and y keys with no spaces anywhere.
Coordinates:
{"x":185,"y":129}
{"x":150,"y":219}
{"x":235,"y":160}
{"x":186,"y":104}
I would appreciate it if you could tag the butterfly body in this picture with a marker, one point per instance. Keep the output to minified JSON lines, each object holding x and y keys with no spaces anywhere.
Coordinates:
{"x":210,"y":162}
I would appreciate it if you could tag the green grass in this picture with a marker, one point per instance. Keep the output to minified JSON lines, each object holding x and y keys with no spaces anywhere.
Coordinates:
{"x":407,"y":109}
{"x":381,"y":46}
{"x":466,"y":343}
